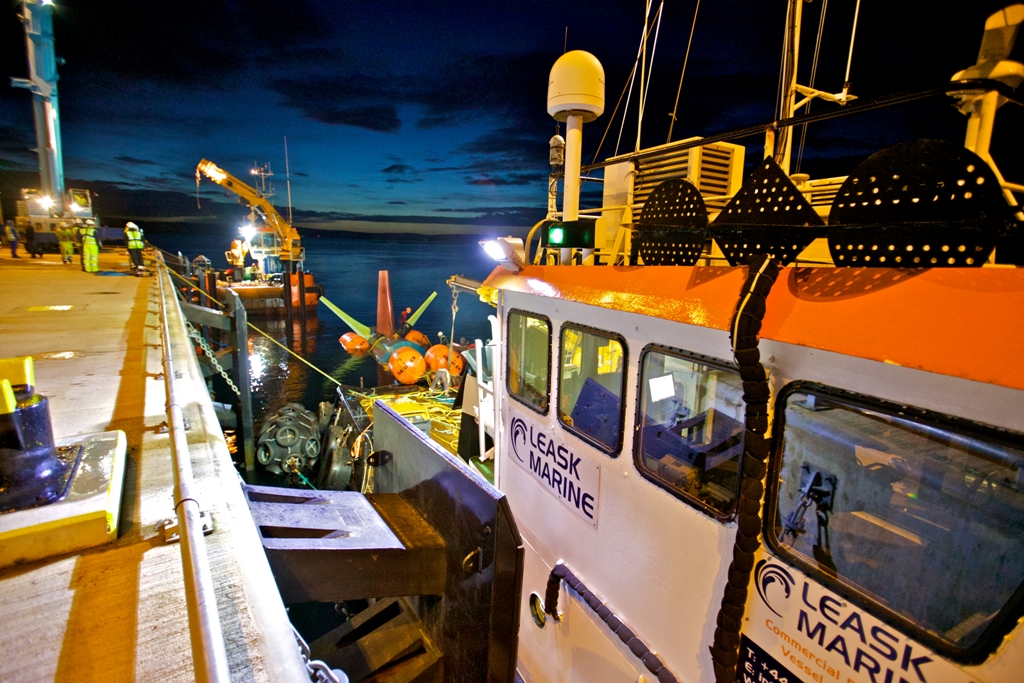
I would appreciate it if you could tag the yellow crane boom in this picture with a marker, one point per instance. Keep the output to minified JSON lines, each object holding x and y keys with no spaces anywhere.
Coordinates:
{"x":291,"y":244}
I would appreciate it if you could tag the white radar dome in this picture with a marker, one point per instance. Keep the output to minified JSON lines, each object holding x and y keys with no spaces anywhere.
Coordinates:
{"x":576,"y":87}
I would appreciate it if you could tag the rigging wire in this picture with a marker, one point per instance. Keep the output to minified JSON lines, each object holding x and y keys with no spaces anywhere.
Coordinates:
{"x":611,"y":119}
{"x":810,"y":84}
{"x":853,"y":34}
{"x":632,"y":77}
{"x":644,"y":89}
{"x":672,"y":121}
{"x":782,"y":72}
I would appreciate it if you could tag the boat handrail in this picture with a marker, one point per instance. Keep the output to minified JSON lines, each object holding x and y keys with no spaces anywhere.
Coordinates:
{"x":950,"y":88}
{"x":209,"y":656}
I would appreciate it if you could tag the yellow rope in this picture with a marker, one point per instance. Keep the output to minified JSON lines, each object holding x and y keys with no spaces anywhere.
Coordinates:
{"x":193,"y":286}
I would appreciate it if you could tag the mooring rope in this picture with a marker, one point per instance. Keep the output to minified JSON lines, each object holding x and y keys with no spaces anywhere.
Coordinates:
{"x":193,"y":286}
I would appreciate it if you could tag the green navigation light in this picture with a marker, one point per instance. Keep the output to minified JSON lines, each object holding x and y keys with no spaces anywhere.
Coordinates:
{"x":556,"y":235}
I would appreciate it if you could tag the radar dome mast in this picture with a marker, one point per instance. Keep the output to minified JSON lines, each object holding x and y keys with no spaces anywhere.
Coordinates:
{"x":575,"y":97}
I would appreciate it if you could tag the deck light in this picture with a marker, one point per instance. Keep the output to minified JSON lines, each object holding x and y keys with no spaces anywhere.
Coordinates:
{"x":46,"y":201}
{"x":247,"y":231}
{"x":508,"y":251}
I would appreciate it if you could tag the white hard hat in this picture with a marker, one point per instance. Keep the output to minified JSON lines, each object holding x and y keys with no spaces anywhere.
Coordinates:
{"x":129,"y":224}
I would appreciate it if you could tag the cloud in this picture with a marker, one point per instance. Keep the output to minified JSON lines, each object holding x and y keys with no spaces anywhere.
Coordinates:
{"x":508,"y":179}
{"x":379,"y":118}
{"x":507,"y":149}
{"x":230,"y":38}
{"x":460,"y":89}
{"x":397,"y":168}
{"x":16,"y":149}
{"x":397,"y":202}
{"x":136,"y":162}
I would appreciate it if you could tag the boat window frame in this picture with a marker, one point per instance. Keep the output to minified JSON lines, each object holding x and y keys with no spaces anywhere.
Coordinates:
{"x":508,"y":388}
{"x":1008,"y":616}
{"x":612,"y":452}
{"x":709,"y":361}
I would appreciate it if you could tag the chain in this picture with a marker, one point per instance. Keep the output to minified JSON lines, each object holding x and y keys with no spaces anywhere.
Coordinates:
{"x":317,"y":670}
{"x":451,"y":340}
{"x":192,"y":332}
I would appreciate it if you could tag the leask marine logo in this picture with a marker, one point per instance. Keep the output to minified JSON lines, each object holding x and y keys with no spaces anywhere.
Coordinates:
{"x":520,"y":436}
{"x":765,"y":575}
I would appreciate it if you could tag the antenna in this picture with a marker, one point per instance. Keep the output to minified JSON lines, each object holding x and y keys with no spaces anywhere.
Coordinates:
{"x":262,"y":171}
{"x":288,"y":178}
{"x":565,"y":41}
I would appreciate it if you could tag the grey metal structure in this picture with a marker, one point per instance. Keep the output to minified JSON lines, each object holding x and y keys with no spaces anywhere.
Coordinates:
{"x":235,"y":322}
{"x":485,"y":551}
{"x":434,"y":539}
{"x":42,"y":82}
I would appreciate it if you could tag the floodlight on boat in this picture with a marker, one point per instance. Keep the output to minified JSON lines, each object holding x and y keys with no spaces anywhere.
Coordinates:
{"x":247,"y":230}
{"x":46,"y":201}
{"x":507,"y":251}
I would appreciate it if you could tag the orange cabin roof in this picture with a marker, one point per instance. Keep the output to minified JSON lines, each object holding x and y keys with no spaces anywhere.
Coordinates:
{"x":964,"y":322}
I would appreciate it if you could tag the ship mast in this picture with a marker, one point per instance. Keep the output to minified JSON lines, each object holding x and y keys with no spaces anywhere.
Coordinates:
{"x":42,"y":82}
{"x":791,"y":58}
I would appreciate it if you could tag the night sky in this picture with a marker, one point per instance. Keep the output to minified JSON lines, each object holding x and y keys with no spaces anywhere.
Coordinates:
{"x":430,"y":116}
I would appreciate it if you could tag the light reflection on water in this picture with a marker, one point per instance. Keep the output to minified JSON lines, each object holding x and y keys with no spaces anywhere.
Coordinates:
{"x":347,"y":268}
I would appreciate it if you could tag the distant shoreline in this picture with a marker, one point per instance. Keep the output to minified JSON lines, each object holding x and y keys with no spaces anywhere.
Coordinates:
{"x":176,"y":228}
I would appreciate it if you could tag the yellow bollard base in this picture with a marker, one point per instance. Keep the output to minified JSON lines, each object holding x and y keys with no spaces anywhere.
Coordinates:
{"x":86,"y":517}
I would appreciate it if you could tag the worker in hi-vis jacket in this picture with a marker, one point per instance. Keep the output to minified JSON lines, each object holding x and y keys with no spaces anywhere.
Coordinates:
{"x":65,"y":238}
{"x":133,"y":238}
{"x":90,"y":249}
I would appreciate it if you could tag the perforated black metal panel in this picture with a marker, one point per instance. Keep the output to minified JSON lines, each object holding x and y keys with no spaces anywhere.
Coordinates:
{"x":675,"y":203}
{"x":920,"y":204}
{"x":672,"y":229}
{"x":767,"y":216}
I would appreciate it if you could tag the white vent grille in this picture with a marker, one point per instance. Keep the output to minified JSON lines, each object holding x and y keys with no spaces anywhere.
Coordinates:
{"x":715,"y":169}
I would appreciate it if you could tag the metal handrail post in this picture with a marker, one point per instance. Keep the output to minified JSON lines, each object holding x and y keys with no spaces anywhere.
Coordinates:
{"x":209,"y":657}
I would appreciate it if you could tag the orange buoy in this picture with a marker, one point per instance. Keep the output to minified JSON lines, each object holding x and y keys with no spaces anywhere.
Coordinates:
{"x":353,"y":343}
{"x":407,"y":365}
{"x":437,"y":358}
{"x":418,"y":338}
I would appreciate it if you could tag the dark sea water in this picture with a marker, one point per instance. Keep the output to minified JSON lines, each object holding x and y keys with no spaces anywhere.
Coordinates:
{"x":347,"y":268}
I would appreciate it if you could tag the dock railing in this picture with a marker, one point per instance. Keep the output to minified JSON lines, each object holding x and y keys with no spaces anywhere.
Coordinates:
{"x":208,"y":652}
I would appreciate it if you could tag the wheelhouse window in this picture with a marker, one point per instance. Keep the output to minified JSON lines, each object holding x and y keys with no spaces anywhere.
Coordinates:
{"x":529,"y":359}
{"x":919,"y":515}
{"x":591,"y":385}
{"x":690,"y":429}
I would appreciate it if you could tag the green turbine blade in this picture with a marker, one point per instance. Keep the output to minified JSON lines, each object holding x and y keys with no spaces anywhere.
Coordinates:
{"x":419,"y":311}
{"x":357,"y":327}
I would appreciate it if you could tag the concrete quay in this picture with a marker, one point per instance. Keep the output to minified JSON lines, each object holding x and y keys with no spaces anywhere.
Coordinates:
{"x":118,"y":612}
